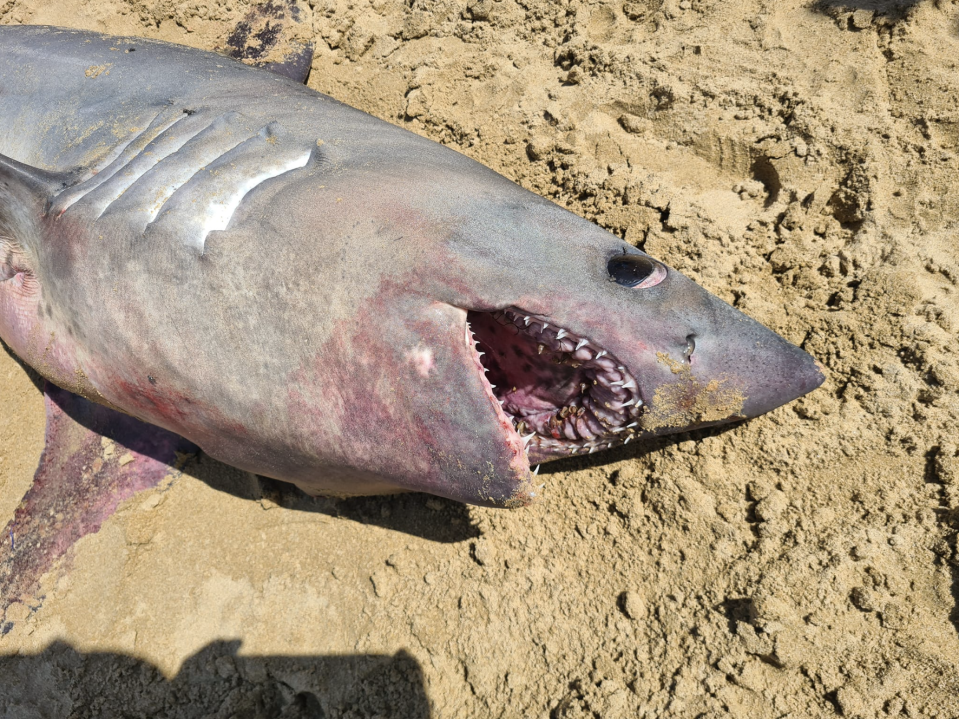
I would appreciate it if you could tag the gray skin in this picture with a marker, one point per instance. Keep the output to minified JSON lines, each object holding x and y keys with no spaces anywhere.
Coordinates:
{"x":285,"y":280}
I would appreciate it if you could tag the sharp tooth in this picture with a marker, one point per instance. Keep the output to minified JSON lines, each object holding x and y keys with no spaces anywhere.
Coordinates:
{"x":629,"y":437}
{"x":600,"y":354}
{"x":579,"y":345}
{"x":627,"y":404}
{"x":527,"y":438}
{"x":492,"y":386}
{"x":617,"y":430}
{"x":480,"y":354}
{"x":545,"y":325}
{"x":526,"y":320}
{"x":592,"y":449}
{"x":540,"y":349}
{"x":639,"y":403}
{"x":616,"y":384}
{"x":535,"y":472}
{"x":561,"y":334}
{"x":631,"y":425}
{"x":630,"y":385}
{"x":542,"y":485}
{"x":501,"y":401}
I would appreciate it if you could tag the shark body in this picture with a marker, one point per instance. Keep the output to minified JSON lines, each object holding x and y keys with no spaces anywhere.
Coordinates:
{"x":317,"y":296}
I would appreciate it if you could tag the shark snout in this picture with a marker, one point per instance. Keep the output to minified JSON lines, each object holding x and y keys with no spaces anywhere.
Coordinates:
{"x":768,"y":370}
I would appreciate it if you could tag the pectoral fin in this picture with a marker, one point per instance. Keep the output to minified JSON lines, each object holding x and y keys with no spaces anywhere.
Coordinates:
{"x":94,"y":459}
{"x":24,"y":194}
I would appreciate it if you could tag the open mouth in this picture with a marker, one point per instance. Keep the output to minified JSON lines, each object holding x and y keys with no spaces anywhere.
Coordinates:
{"x":564,"y":394}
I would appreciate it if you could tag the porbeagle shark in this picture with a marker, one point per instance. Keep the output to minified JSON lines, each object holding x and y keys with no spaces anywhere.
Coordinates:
{"x":314,"y":295}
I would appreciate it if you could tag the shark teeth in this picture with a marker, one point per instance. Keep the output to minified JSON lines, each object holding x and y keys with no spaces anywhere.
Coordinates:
{"x":602,"y":404}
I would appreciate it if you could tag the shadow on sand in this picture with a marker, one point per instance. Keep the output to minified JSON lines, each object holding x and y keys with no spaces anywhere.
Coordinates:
{"x":881,"y":7}
{"x":214,"y":683}
{"x":858,"y":15}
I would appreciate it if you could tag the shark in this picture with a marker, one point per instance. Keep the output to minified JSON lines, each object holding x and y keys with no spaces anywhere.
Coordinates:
{"x":309,"y":293}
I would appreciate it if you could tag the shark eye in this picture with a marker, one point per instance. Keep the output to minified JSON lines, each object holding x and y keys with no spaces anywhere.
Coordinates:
{"x":638,"y":271}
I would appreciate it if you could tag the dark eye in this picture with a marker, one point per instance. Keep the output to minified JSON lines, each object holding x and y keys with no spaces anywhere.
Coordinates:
{"x":637,"y":271}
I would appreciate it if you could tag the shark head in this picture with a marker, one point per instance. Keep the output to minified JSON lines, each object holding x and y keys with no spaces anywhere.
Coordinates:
{"x":505,"y":331}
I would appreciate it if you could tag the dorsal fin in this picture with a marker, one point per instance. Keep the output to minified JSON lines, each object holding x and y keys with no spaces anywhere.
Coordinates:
{"x":277,"y":36}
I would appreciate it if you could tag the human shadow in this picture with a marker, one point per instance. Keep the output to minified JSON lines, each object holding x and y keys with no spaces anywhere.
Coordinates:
{"x":213,"y":683}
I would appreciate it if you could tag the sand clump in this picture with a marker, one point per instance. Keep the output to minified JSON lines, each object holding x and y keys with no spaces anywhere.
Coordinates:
{"x":798,"y":159}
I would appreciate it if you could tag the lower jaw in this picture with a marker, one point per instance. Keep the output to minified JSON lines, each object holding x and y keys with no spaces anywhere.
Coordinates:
{"x":549,"y":449}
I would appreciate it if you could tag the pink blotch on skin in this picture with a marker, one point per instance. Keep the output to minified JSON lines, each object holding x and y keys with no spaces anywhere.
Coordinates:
{"x":422,"y":360}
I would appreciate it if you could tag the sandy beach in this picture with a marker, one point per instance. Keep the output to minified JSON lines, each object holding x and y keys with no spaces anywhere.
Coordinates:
{"x":801,"y":161}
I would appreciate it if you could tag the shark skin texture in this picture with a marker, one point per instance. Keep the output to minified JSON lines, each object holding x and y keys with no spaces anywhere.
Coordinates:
{"x":317,"y":296}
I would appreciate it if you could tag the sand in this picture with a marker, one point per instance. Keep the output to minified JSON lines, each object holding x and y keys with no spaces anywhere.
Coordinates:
{"x":797,"y":159}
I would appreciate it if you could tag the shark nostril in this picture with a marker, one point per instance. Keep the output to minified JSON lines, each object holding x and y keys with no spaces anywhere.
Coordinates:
{"x":690,"y":347}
